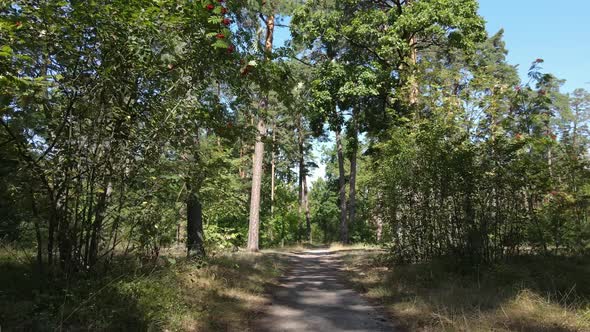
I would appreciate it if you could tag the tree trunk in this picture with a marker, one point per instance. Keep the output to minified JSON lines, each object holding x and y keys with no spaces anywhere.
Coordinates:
{"x":306,"y":207}
{"x":101,"y":209}
{"x":301,"y":201}
{"x":254,"y":220}
{"x":194,"y":226}
{"x":342,"y":191}
{"x":413,"y":83}
{"x":352,"y":158}
{"x":272,"y":180}
{"x":302,"y":176}
{"x":241,"y":171}
{"x":272,"y":171}
{"x":379,"y":222}
{"x":38,"y":235}
{"x":50,"y":237}
{"x":413,"y":93}
{"x":377,"y":215}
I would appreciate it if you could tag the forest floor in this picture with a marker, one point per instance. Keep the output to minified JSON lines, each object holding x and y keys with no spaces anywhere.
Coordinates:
{"x":225,"y":292}
{"x":528,"y":294}
{"x":312,"y":296}
{"x":298,"y":289}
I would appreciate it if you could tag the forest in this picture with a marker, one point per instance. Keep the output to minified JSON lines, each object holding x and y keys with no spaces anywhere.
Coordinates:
{"x":159,"y":161}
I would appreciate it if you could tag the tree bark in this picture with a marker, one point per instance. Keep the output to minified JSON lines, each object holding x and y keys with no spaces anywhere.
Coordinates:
{"x":194,"y":226}
{"x":51,"y":235}
{"x":254,"y":220}
{"x":413,"y":99}
{"x":272,"y":172}
{"x":413,"y":93}
{"x":353,"y":160}
{"x":272,"y":180}
{"x":379,"y":222}
{"x":101,"y":209}
{"x":302,"y":173}
{"x":342,"y":191}
{"x":38,"y":235}
{"x":306,"y":207}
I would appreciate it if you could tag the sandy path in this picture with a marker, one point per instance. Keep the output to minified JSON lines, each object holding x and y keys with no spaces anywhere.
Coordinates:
{"x":313,"y":298}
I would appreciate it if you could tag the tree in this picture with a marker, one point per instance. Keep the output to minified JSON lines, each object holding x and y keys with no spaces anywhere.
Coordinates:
{"x":99,"y":118}
{"x":268,"y":10}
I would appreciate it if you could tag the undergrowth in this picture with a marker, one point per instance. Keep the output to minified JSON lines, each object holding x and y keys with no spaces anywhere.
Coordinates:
{"x":173,"y":294}
{"x":524,"y":294}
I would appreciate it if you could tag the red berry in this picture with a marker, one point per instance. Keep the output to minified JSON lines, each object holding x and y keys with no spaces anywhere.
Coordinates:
{"x":226,"y":21}
{"x":220,"y":36}
{"x":230,"y":49}
{"x":210,"y":6}
{"x":539,"y":60}
{"x":18,"y":24}
{"x":224,"y":10}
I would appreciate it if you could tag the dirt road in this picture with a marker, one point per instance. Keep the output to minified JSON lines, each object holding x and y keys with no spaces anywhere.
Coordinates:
{"x":312,"y":297}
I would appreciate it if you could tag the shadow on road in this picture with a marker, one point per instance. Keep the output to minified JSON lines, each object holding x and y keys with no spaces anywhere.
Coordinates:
{"x":311,"y":297}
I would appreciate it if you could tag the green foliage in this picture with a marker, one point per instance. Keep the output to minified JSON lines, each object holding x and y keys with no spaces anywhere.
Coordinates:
{"x":490,"y":176}
{"x":127,"y":128}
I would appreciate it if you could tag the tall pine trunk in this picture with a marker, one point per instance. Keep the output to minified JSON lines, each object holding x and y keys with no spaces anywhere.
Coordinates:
{"x":254,"y":220}
{"x":302,"y":176}
{"x":272,"y":180}
{"x":342,"y":191}
{"x":306,"y":207}
{"x":353,"y":167}
{"x":412,"y":80}
{"x":272,"y":171}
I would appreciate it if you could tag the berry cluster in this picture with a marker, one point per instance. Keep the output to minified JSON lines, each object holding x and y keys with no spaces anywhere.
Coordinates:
{"x":220,"y":10}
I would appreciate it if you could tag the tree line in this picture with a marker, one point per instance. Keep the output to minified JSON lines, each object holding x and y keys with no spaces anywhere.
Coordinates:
{"x":129,"y":127}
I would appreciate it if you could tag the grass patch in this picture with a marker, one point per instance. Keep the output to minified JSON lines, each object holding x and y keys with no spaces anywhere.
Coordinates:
{"x":223,"y":293}
{"x":525,"y":294}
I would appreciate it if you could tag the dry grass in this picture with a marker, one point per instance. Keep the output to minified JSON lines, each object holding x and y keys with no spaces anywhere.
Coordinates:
{"x":223,"y":293}
{"x":334,"y":246}
{"x":530,"y":294}
{"x":337,"y":246}
{"x":228,"y":295}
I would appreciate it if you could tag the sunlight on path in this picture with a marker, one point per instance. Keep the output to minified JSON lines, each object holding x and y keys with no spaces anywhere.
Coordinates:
{"x":312,"y":298}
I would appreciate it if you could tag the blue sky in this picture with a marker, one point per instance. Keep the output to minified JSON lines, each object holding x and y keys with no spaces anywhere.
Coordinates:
{"x":556,"y":31}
